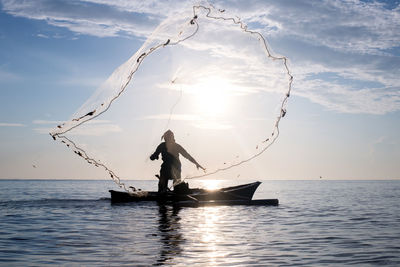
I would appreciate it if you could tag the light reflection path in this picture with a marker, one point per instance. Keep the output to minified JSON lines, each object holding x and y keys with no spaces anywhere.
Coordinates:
{"x":202,"y":229}
{"x":209,"y":233}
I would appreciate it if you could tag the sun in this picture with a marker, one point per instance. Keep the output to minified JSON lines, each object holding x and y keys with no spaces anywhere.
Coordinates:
{"x":212,"y":97}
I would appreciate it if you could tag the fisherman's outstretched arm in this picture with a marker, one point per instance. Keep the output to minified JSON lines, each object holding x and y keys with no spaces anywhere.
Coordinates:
{"x":185,"y":154}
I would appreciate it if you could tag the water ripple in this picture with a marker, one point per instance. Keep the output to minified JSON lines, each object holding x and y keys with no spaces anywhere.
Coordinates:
{"x":317,"y":224}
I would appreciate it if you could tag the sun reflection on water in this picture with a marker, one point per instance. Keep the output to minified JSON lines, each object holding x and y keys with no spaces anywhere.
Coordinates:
{"x":210,"y":233}
{"x":209,"y":230}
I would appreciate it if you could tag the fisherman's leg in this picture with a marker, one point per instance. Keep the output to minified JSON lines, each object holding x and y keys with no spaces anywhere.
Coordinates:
{"x":162,"y":184}
{"x":165,"y":173}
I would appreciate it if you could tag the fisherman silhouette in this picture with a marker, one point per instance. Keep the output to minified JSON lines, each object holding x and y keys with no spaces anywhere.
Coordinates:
{"x":171,"y":166}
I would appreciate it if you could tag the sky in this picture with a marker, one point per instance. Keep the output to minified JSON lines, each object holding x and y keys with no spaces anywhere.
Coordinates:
{"x":343,"y":116}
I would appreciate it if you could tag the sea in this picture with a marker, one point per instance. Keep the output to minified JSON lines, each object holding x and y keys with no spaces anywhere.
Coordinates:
{"x":317,"y":223}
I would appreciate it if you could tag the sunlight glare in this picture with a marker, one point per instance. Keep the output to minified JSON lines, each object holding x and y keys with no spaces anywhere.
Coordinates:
{"x":211,"y":184}
{"x":213,"y":96}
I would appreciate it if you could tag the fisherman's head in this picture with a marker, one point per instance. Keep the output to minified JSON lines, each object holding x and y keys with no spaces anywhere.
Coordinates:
{"x":169,"y":137}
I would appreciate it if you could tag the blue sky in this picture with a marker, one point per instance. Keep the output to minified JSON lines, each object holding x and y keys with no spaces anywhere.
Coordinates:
{"x":343,"y":117}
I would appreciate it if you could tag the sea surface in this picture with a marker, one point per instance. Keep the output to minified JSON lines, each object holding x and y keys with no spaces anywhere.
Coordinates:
{"x":318,"y":223}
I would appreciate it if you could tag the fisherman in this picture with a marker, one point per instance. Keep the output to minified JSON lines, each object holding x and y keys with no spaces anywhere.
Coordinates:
{"x":171,"y":166}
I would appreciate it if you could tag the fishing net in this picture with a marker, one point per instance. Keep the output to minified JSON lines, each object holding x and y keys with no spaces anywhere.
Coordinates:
{"x":203,"y":74}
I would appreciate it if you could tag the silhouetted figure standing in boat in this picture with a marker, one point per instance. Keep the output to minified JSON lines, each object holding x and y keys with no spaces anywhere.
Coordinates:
{"x":171,"y":166}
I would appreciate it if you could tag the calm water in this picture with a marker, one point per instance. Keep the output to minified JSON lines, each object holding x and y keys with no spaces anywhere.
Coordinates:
{"x":318,"y":223}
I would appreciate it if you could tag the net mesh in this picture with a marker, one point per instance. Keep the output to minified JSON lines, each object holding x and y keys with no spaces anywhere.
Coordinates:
{"x":203,"y":74}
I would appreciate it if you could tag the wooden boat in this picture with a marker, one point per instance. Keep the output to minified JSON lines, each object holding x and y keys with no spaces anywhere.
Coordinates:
{"x":234,"y":195}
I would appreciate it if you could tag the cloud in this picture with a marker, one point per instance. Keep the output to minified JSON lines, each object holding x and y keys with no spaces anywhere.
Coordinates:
{"x":91,"y":82}
{"x":349,"y":89}
{"x":90,"y":128}
{"x":213,"y":125}
{"x":85,"y":17}
{"x":46,"y":122}
{"x":196,"y":121}
{"x":343,"y":98}
{"x":373,"y":145}
{"x":6,"y":76}
{"x":356,"y":41}
{"x":41,"y":35}
{"x":356,"y":26}
{"x":177,"y":117}
{"x":6,"y":124}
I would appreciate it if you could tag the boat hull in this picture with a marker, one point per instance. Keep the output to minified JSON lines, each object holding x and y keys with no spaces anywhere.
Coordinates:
{"x":234,"y":195}
{"x":254,"y":202}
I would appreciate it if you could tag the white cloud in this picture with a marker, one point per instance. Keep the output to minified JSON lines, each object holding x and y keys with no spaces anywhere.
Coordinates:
{"x":213,"y":125}
{"x":357,"y":41}
{"x":6,"y":124}
{"x":374,"y":144}
{"x":85,"y":17}
{"x":342,"y":98}
{"x":197,"y":121}
{"x":353,"y":89}
{"x":6,"y":76}
{"x":41,"y":35}
{"x":90,"y":128}
{"x":154,"y":7}
{"x":99,"y":129}
{"x":91,"y":82}
{"x":177,"y":117}
{"x":46,"y":122}
{"x":357,"y":26}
